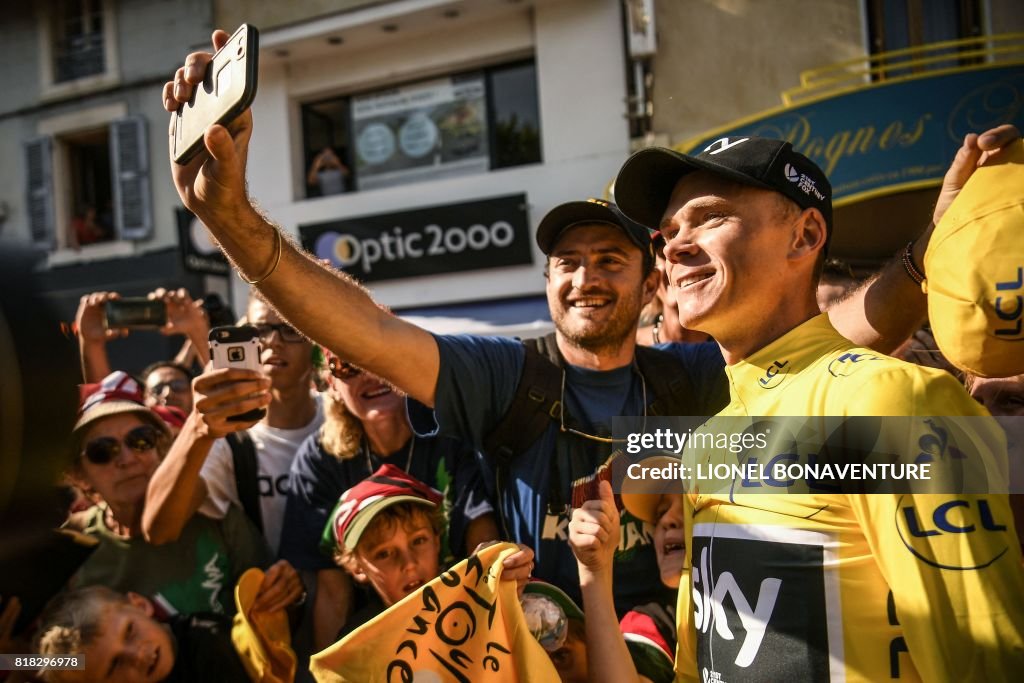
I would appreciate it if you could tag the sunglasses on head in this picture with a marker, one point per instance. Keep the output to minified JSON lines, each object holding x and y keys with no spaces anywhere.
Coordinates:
{"x":286,"y":332}
{"x":343,"y":369}
{"x":104,"y":449}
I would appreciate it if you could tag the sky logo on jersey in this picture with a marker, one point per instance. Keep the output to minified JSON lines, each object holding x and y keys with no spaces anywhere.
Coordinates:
{"x":753,"y":599}
{"x":710,"y":596}
{"x":933,"y":534}
{"x":774,"y":375}
{"x":848,"y":363}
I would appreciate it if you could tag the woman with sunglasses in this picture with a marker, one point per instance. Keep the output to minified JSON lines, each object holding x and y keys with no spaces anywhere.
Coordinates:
{"x":116,"y":445}
{"x":365,"y":426}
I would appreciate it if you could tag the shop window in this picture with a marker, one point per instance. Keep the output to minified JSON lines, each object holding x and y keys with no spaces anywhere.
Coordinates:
{"x":465,"y":123}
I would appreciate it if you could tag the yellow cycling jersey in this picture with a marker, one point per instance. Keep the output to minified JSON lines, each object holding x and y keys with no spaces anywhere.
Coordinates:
{"x":840,"y":586}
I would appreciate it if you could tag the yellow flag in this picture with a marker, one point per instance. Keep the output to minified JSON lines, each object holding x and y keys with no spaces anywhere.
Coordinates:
{"x":464,"y":626}
{"x":262,"y":639}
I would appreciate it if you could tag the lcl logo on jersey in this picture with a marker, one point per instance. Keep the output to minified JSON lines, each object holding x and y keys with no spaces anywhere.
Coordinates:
{"x":848,"y":363}
{"x":774,"y":375}
{"x":933,"y":535}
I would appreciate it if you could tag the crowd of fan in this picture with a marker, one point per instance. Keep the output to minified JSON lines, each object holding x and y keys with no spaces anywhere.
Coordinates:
{"x":350,"y":494}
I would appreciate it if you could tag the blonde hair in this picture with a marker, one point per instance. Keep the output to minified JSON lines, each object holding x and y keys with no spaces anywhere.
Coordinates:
{"x":70,"y":623}
{"x":341,"y":433}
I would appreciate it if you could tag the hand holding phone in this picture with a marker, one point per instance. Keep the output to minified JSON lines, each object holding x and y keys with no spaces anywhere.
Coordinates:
{"x":228,"y":88}
{"x":135,"y":312}
{"x":237,"y":347}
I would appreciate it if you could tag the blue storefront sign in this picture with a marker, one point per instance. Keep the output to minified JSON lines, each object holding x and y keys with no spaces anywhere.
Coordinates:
{"x":894,"y":136}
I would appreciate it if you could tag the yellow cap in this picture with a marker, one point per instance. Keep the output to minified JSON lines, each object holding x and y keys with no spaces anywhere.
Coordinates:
{"x":262,"y":639}
{"x":975,"y":269}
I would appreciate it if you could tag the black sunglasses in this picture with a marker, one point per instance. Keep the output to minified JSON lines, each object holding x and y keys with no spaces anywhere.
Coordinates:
{"x":104,"y":449}
{"x":176,"y":385}
{"x":342,"y":369}
{"x":286,"y":331}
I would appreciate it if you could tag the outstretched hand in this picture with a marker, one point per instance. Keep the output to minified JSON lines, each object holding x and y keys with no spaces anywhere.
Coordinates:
{"x":184,"y":315}
{"x":212,"y":184}
{"x":976,"y":151}
{"x":90,"y":320}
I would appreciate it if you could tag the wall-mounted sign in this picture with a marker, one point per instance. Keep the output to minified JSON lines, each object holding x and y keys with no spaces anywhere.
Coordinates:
{"x":488,"y":233}
{"x":421,"y":130}
{"x":198,"y":252}
{"x":891,"y":137}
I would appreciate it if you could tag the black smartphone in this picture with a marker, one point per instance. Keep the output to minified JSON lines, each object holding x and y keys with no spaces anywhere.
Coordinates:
{"x":135,"y":312}
{"x":228,"y":88}
{"x":237,"y":347}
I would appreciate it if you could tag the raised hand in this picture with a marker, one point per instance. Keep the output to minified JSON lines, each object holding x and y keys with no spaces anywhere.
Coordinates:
{"x":220,"y":394}
{"x":594,"y":532}
{"x":975,"y":152}
{"x":211,"y":185}
{"x":90,"y":319}
{"x":281,"y":588}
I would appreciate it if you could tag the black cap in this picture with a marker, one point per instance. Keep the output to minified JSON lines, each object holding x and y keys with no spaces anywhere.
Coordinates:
{"x":645,"y":182}
{"x":564,"y":216}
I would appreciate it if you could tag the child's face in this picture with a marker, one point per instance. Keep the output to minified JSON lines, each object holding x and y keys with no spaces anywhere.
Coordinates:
{"x":670,"y":539}
{"x":131,"y":646}
{"x":399,"y":558}
{"x":570,"y":660}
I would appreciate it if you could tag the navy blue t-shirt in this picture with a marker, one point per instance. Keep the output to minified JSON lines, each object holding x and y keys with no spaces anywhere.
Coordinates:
{"x":477,"y":381}
{"x":318,"y":479}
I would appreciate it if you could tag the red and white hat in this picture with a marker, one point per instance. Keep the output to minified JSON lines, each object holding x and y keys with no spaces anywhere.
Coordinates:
{"x":357,"y":507}
{"x":117,"y":393}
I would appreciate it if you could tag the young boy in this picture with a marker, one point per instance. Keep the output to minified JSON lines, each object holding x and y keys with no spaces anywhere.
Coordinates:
{"x":641,"y":647}
{"x":386,"y":532}
{"x":120,"y":641}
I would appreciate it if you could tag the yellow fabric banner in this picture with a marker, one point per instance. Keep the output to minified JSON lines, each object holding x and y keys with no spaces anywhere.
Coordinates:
{"x":464,"y":626}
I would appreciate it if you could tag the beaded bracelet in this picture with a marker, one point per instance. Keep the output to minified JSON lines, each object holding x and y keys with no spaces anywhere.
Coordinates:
{"x":908,"y":264}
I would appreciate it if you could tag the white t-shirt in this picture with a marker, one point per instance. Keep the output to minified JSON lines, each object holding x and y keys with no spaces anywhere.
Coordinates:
{"x":275,"y":450}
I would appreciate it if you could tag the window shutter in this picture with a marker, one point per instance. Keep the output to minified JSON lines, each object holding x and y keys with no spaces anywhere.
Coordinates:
{"x":39,"y":192}
{"x":133,"y":213}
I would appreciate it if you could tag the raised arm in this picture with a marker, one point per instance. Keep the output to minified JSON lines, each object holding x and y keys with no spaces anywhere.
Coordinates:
{"x":176,"y":490}
{"x":328,"y":307}
{"x":890,"y":307}
{"x":593,"y":537}
{"x":93,"y":335}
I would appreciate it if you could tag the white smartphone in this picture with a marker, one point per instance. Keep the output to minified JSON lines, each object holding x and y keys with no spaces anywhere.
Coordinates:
{"x":237,"y":347}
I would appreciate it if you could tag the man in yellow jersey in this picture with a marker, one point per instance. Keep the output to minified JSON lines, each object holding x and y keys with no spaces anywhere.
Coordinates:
{"x":817,"y":586}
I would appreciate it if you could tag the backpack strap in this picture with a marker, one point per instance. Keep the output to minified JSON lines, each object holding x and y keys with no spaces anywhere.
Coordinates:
{"x":243,"y":456}
{"x":537,"y":401}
